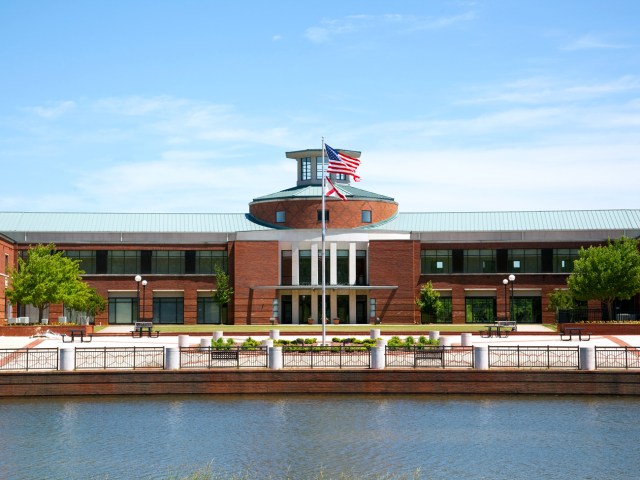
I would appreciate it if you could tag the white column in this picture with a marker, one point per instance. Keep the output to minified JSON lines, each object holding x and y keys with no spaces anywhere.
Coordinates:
{"x":315,"y":276}
{"x":314,"y":307}
{"x":352,"y":263}
{"x":172,"y":358}
{"x":333,"y":300}
{"x":352,"y":307}
{"x":67,"y":359}
{"x":295,"y":307}
{"x":481,"y":357}
{"x":275,"y":358}
{"x":333,"y":261}
{"x":587,"y":358}
{"x":295,"y":265}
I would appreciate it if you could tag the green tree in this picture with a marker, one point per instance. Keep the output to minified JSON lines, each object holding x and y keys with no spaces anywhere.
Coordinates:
{"x":45,"y":277}
{"x":607,"y":273}
{"x":223,"y":292}
{"x":84,"y":298}
{"x":561,"y":299}
{"x":428,"y":300}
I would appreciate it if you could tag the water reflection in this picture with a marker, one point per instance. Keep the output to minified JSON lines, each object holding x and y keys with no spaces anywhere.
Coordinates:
{"x":443,"y":436}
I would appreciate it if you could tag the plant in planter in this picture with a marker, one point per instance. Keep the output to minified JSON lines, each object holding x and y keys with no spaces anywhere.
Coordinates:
{"x":428,"y":301}
{"x":336,"y":321}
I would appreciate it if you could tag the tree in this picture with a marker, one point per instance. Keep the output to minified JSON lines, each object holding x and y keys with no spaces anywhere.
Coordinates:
{"x":561,"y":299}
{"x":84,"y":298}
{"x":45,"y":277}
{"x":428,"y":300}
{"x":607,"y":273}
{"x":223,"y":293}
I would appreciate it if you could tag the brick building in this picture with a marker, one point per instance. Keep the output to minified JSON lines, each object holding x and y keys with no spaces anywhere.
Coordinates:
{"x":161,"y":267}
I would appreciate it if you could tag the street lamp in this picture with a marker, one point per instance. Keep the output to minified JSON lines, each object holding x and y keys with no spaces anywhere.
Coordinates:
{"x":138,"y":280}
{"x":505,"y":282}
{"x":512,"y":279}
{"x":144,"y":296}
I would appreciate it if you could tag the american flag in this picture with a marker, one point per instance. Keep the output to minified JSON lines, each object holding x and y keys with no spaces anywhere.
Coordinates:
{"x":341,"y":163}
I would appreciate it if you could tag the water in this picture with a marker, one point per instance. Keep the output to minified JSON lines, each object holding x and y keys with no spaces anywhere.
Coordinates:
{"x":460,"y":437}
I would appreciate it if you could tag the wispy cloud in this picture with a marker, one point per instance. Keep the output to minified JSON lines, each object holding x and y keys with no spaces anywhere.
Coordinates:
{"x":53,"y":109}
{"x":591,"y":42}
{"x":330,"y":28}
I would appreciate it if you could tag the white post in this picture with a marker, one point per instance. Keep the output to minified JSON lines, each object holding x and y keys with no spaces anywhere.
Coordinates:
{"x":587,"y":358}
{"x":374,"y":333}
{"x":274,"y":334}
{"x":445,"y":341}
{"x":466,"y":339}
{"x":171,"y":358}
{"x":217,"y":335}
{"x":183,"y":341}
{"x":434,"y":335}
{"x":205,"y":344}
{"x":378,"y":355}
{"x":481,"y":357}
{"x":67,"y":359}
{"x":275,"y":358}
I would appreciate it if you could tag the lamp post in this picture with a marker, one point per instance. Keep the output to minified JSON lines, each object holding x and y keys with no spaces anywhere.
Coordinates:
{"x":512,"y":279}
{"x":505,"y":282}
{"x":144,"y":296}
{"x":138,"y":279}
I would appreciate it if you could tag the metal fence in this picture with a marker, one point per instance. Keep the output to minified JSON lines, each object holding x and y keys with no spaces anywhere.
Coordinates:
{"x":326,"y":357}
{"x":119,"y":357}
{"x":617,"y":357}
{"x":233,"y":357}
{"x":534,"y":357}
{"x":419,"y":356}
{"x":29,"y":359}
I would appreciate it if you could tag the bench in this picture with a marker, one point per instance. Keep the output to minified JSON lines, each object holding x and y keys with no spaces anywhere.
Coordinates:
{"x":571,"y":331}
{"x":140,"y":327}
{"x":429,"y":354}
{"x":508,"y":324}
{"x":225,"y":355}
{"x":498,"y":330}
{"x":73,"y":334}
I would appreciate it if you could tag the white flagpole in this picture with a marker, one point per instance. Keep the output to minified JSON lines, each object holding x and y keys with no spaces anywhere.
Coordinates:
{"x":324,"y":285}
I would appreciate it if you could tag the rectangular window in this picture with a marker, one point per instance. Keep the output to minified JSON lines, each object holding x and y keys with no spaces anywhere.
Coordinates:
{"x":169,"y":262}
{"x":326,"y":215}
{"x":168,"y":310}
{"x":123,"y":310}
{"x":480,"y":309}
{"x":479,"y":261}
{"x":208,"y":310}
{"x":327,"y":266}
{"x":341,"y":176}
{"x":319,"y":169}
{"x":123,"y":262}
{"x":435,"y":261}
{"x":87,"y":259}
{"x":286,"y":267}
{"x":563,"y":259}
{"x":366,"y":216}
{"x":305,"y":166}
{"x":361,"y":267}
{"x":280,"y":216}
{"x":342,"y":265}
{"x":445,"y":316}
{"x":327,"y":299}
{"x":527,"y":260}
{"x":304,"y":267}
{"x":206,"y":261}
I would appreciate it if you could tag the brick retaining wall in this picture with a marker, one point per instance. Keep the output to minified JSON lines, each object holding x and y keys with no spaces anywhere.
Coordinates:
{"x":317,"y":381}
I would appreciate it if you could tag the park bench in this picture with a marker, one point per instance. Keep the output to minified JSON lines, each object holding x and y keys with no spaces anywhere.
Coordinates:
{"x":140,"y":327}
{"x":225,"y":355}
{"x":428,"y":354}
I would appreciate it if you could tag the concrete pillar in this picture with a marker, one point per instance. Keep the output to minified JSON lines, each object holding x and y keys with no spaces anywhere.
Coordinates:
{"x":295,"y":265}
{"x":333,"y":269}
{"x":205,"y":343}
{"x":183,"y":341}
{"x":274,"y":334}
{"x":315,"y":278}
{"x":267,"y":343}
{"x":434,"y":335}
{"x":466,"y":339}
{"x":587,"y":358}
{"x":67,"y":359}
{"x":445,"y":341}
{"x":481,"y":357}
{"x":374,"y":333}
{"x":352,"y":263}
{"x":171,"y":358}
{"x":217,"y":335}
{"x":275,"y":358}
{"x":378,"y":358}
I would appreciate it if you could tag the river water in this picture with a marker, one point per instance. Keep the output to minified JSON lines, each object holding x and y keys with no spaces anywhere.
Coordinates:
{"x":298,"y":436}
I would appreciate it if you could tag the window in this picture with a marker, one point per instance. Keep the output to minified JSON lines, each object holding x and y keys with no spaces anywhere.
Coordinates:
{"x":167,"y":262}
{"x":342,"y":265}
{"x":326,"y":215}
{"x":285,"y":267}
{"x":123,"y":310}
{"x":341,"y":176}
{"x":87,"y":259}
{"x":121,"y":262}
{"x":206,"y":261}
{"x":480,"y":261}
{"x":168,"y":310}
{"x":525,"y":261}
{"x":305,"y":168}
{"x":319,"y":169}
{"x":304,"y":267}
{"x":280,"y":216}
{"x":361,"y":267}
{"x":327,"y":266}
{"x":435,"y":261}
{"x":563,"y":259}
{"x":445,"y":316}
{"x":480,"y":309}
{"x":208,"y":310}
{"x":366,"y":216}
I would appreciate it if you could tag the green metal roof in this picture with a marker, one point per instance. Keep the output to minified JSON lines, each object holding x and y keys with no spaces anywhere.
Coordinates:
{"x":512,"y":221}
{"x":127,"y":222}
{"x":315,"y":191}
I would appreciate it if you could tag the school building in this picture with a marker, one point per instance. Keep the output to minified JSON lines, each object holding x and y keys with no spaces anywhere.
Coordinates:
{"x":161,"y":267}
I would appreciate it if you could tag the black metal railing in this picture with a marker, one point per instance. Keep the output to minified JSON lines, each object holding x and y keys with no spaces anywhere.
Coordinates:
{"x":429,"y":356}
{"x":119,"y":357}
{"x":309,"y":356}
{"x":617,"y":357}
{"x":233,"y":357}
{"x":534,"y":357}
{"x":29,"y":359}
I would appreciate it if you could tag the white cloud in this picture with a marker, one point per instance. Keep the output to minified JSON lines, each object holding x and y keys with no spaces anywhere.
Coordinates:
{"x":53,"y":109}
{"x":590,"y":42}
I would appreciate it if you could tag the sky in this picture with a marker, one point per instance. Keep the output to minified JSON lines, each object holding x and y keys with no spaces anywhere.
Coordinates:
{"x":190,"y":106}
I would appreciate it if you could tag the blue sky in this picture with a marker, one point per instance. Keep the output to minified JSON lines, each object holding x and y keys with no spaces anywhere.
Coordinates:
{"x":190,"y":106}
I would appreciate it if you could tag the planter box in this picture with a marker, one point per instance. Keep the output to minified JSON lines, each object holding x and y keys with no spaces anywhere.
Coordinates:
{"x":30,"y":330}
{"x":605,"y":328}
